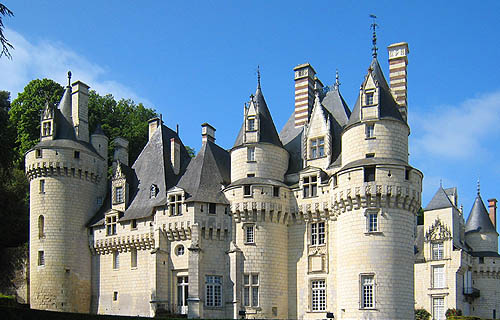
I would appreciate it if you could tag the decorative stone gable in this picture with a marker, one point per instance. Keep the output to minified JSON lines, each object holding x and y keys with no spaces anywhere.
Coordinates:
{"x":318,"y":139}
{"x":251,"y":121}
{"x":119,"y":189}
{"x":370,"y":97}
{"x":438,"y":231}
{"x":47,"y":126}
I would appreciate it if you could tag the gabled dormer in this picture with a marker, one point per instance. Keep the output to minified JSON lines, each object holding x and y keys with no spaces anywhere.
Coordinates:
{"x":119,"y":189}
{"x":47,"y":123}
{"x":251,"y":121}
{"x":370,"y":97}
{"x":318,"y":137}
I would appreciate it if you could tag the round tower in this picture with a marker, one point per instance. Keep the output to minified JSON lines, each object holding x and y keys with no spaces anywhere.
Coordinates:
{"x":375,"y":203}
{"x":67,"y":186}
{"x":260,"y":211}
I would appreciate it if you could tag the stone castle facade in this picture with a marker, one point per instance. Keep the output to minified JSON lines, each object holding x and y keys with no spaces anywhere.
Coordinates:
{"x":317,"y":219}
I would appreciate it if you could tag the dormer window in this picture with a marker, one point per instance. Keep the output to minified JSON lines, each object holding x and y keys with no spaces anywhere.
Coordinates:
{"x":369,"y":98}
{"x":153,"y":191}
{"x":119,"y":195}
{"x":175,"y":205}
{"x":251,"y":124}
{"x":317,"y":148}
{"x":47,"y":129}
{"x":111,"y":225}
{"x":310,"y":186}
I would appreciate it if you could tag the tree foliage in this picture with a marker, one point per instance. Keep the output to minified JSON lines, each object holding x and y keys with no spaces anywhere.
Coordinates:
{"x":422,"y":314}
{"x":6,"y":45}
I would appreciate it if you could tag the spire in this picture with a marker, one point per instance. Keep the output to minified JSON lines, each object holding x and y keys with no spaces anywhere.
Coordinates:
{"x":337,"y":82}
{"x":374,"y":26}
{"x":258,"y":76}
{"x":478,"y":186}
{"x":69,"y":78}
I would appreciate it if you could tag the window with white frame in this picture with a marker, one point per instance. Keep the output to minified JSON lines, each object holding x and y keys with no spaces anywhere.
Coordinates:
{"x":310,"y":186}
{"x":438,"y":308}
{"x":251,"y":124}
{"x":318,"y":295}
{"x":47,"y":131}
{"x":249,"y":233}
{"x":317,"y":148}
{"x":367,"y":291}
{"x":116,"y":260}
{"x":175,"y":205}
{"x":247,"y":190}
{"x":438,"y":277}
{"x":372,"y":222}
{"x":369,"y":98}
{"x":213,"y":292}
{"x":119,"y":195}
{"x":179,"y":250}
{"x":437,"y":251}
{"x":133,"y":258}
{"x":251,"y":154}
{"x":111,"y":225}
{"x":317,"y":233}
{"x":369,"y":130}
{"x":251,"y":289}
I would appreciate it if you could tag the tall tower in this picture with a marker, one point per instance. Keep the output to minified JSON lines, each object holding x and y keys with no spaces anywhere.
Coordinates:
{"x":260,"y":210}
{"x":376,"y":201}
{"x":67,"y":177}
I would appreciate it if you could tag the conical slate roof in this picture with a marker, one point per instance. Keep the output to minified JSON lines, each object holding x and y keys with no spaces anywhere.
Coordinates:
{"x":267,"y":128}
{"x":388,"y":106}
{"x":479,"y":220}
{"x":439,"y":201}
{"x":336,"y":105}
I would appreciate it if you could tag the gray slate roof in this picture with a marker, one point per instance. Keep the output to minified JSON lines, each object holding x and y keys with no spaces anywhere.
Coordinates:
{"x":439,"y":201}
{"x":206,"y":175}
{"x":267,"y":129}
{"x":388,"y":107}
{"x":479,"y":220}
{"x":292,"y":142}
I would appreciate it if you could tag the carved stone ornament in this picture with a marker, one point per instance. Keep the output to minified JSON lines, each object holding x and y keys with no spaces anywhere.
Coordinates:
{"x":438,"y":231}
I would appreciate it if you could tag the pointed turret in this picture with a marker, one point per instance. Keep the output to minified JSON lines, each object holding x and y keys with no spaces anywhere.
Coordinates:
{"x":65,"y":104}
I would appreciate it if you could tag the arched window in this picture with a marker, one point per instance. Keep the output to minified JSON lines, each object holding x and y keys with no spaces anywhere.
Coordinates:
{"x":41,"y":227}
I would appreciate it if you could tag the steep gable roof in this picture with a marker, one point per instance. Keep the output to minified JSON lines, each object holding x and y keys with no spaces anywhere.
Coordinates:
{"x":439,"y":201}
{"x":387,"y":105}
{"x":267,"y":128}
{"x":479,"y":220}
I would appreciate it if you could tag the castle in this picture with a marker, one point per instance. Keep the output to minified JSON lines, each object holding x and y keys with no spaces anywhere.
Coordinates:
{"x":316,"y":221}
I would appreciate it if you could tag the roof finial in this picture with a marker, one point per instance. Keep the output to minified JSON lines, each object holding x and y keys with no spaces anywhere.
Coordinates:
{"x":69,"y":78}
{"x":337,"y":81}
{"x":478,"y":186}
{"x":441,"y":183}
{"x":374,"y":26}
{"x":258,"y":76}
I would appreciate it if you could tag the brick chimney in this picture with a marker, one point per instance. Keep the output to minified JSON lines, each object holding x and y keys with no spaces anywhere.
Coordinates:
{"x":175,"y":155}
{"x":398,"y":63}
{"x":80,"y":107}
{"x":153,"y":124}
{"x":304,"y":93}
{"x":207,"y":133}
{"x":492,"y":205}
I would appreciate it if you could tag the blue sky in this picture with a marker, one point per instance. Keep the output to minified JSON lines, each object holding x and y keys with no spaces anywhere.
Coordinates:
{"x":195,"y":61}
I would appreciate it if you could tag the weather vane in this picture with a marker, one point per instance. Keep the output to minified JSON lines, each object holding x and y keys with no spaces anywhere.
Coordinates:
{"x":374,"y":27}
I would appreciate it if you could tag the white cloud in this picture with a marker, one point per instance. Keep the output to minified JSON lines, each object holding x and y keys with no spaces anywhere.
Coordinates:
{"x":458,"y":132}
{"x":52,"y":60}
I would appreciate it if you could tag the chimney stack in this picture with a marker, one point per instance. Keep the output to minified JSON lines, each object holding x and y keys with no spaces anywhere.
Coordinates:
{"x":398,"y":63}
{"x":153,"y":125}
{"x":175,"y":155}
{"x":304,"y":93}
{"x":492,"y":205}
{"x":80,"y":107}
{"x":121,"y":150}
{"x":207,"y":133}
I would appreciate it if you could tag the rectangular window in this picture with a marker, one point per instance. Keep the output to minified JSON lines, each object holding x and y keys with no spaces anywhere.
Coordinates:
{"x":111,"y":225}
{"x":276,"y":191}
{"x":438,"y":308}
{"x":116,"y":260}
{"x":251,"y":154}
{"x":369,"y":174}
{"x":437,"y":251}
{"x":77,"y":154}
{"x":367,"y":291}
{"x":369,"y":130}
{"x":372,"y":222}
{"x":370,"y":155}
{"x":212,"y":208}
{"x":318,"y":295}
{"x":369,"y":98}
{"x":251,"y":290}
{"x":250,"y":233}
{"x":115,"y":296}
{"x":38,"y":153}
{"x":438,"y":276}
{"x":407,"y":174}
{"x":133,"y":258}
{"x":175,"y":205}
{"x":119,"y":195}
{"x":133,"y":224}
{"x":310,"y":186}
{"x":317,"y":148}
{"x":251,"y":124}
{"x":317,"y":233}
{"x":247,"y":190}
{"x":213,"y":292}
{"x":46,"y":129}
{"x":42,"y":186}
{"x":41,"y":258}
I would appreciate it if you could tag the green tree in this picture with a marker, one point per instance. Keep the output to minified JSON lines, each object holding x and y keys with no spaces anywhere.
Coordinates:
{"x":6,"y":46}
{"x":25,"y":114}
{"x":190,"y":151}
{"x":422,"y":314}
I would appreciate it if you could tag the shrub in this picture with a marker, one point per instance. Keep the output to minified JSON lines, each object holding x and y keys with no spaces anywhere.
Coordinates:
{"x":422,"y":314}
{"x":453,"y":312}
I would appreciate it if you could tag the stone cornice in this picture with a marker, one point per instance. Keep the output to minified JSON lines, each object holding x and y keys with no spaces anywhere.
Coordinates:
{"x":124,"y":243}
{"x":61,"y":169}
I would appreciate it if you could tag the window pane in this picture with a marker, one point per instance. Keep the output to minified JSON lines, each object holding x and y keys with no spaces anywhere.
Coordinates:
{"x":246,"y":296}
{"x":246,"y":279}
{"x":255,"y":279}
{"x":255,"y":296}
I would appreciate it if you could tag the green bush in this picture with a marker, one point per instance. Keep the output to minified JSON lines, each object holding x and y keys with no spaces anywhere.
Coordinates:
{"x":422,"y":314}
{"x":453,"y":312}
{"x":462,"y":318}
